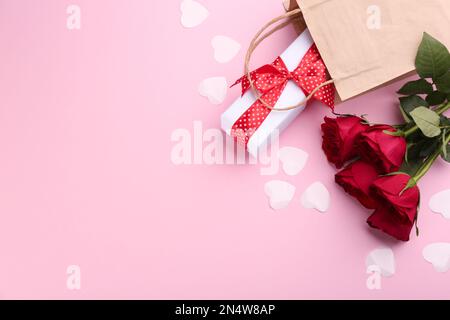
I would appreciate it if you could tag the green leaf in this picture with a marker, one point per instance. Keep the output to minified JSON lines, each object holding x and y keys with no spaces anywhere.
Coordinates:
{"x":411,"y":184}
{"x":413,"y":161}
{"x":417,"y":151}
{"x":445,"y":122}
{"x":395,"y":173}
{"x":429,"y":147}
{"x":409,"y":103}
{"x":443,"y":83}
{"x":433,"y":58}
{"x":413,"y":152}
{"x":436,"y":98}
{"x":446,"y":157}
{"x":427,"y":120}
{"x":411,"y":168}
{"x":420,"y":86}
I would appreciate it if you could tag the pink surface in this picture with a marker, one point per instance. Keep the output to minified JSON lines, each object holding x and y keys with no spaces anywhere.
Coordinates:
{"x":86,"y":176}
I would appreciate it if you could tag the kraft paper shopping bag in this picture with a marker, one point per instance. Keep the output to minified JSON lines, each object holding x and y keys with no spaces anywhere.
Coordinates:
{"x":366,"y":44}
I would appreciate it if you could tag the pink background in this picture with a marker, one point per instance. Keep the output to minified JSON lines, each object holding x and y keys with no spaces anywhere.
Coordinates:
{"x":86,"y":176}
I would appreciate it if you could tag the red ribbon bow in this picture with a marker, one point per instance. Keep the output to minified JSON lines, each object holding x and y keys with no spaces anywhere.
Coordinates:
{"x":270,"y":80}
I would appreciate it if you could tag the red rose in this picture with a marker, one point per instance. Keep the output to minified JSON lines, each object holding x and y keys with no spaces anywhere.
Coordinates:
{"x":356,"y":180}
{"x":339,"y":136}
{"x":397,"y":210}
{"x":385,"y":151}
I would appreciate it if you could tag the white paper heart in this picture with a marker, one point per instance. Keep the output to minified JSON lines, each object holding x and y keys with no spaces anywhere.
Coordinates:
{"x":440,"y":203}
{"x":293,"y":160}
{"x":280,"y":193}
{"x":438,"y":254}
{"x":383,"y":259}
{"x":215,"y":89}
{"x":192,"y":13}
{"x":225,"y":48}
{"x":316,"y":196}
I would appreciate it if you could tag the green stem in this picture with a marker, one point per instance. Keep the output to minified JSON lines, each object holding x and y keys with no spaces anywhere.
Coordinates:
{"x":439,"y":110}
{"x":429,"y":163}
{"x":426,"y":166}
{"x":410,"y":131}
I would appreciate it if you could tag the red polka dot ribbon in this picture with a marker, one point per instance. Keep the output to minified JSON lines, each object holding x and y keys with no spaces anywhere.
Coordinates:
{"x":270,"y":80}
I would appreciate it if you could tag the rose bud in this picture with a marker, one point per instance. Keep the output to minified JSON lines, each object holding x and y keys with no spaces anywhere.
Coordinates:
{"x":339,"y":136}
{"x":385,"y":151}
{"x":356,"y":180}
{"x":397,"y":209}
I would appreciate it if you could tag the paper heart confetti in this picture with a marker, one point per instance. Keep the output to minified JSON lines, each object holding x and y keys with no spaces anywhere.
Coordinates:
{"x":215,"y":89}
{"x":293,"y":160}
{"x":225,"y":48}
{"x":440,"y":203}
{"x":280,"y":193}
{"x":438,"y":254}
{"x":316,"y":196}
{"x":383,"y":259}
{"x":192,"y":13}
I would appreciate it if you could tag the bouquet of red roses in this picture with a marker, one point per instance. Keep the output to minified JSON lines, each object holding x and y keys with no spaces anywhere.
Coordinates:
{"x":384,"y":163}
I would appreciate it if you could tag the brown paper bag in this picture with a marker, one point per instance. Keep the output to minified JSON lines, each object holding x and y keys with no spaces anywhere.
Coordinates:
{"x":362,"y":54}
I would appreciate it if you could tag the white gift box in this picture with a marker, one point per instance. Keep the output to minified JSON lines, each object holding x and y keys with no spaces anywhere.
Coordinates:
{"x":292,"y":95}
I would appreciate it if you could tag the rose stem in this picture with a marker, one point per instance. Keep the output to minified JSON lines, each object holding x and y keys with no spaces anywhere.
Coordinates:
{"x":429,"y":163}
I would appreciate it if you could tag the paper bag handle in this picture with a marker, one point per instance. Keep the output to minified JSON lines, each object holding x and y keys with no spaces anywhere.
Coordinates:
{"x":255,"y":43}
